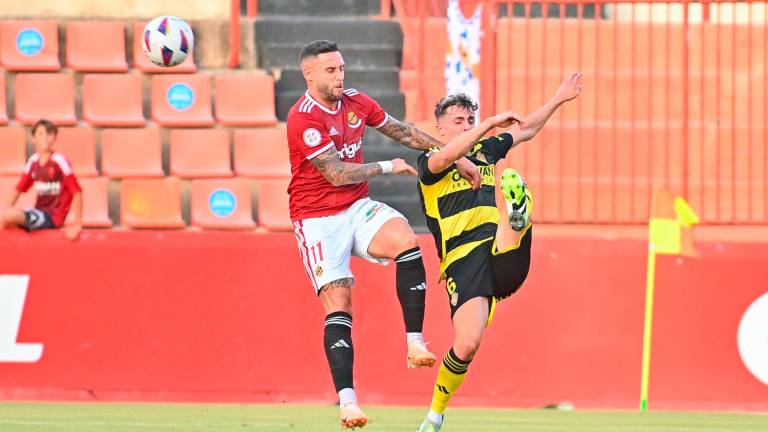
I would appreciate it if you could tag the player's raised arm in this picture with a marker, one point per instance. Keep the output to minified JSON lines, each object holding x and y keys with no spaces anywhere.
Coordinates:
{"x":340,"y":173}
{"x":408,"y":135}
{"x":569,"y":89}
{"x":459,"y":146}
{"x":415,"y":138}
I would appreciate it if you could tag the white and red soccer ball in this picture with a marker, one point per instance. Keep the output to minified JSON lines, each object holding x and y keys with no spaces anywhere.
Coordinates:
{"x":167,"y":40}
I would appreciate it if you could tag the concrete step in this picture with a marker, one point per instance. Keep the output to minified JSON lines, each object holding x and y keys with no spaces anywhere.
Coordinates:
{"x":393,"y":103}
{"x":344,"y":31}
{"x":318,"y":7}
{"x":366,"y":80}
{"x":286,"y":55}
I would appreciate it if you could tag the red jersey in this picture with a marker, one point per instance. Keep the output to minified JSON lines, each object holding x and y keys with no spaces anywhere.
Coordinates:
{"x":312,"y":130}
{"x":55,"y":184}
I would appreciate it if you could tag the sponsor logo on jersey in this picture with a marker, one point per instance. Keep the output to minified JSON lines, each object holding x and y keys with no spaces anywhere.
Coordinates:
{"x":353,"y":120}
{"x":333,"y":131}
{"x":47,"y":188}
{"x":312,"y":137}
{"x":349,"y":151}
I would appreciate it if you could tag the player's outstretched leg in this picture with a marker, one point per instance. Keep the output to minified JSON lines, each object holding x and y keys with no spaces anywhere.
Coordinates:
{"x":411,"y":281}
{"x":519,"y":200}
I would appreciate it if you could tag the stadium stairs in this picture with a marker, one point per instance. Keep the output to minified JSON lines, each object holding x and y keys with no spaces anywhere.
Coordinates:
{"x":372,"y":51}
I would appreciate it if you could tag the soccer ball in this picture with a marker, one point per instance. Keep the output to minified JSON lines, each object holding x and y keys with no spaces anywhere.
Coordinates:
{"x":167,"y":40}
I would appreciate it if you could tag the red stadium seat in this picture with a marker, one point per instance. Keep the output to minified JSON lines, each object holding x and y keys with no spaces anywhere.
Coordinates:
{"x":29,"y":45}
{"x":200,"y":153}
{"x":95,"y":203}
{"x":49,"y":96}
{"x":96,"y":46}
{"x":151,"y":203}
{"x":13,"y":151}
{"x":113,"y":100}
{"x":3,"y":112}
{"x":78,"y":145}
{"x":131,"y":153}
{"x":182,"y":100}
{"x":262,"y":153}
{"x":222,"y":204}
{"x":7,"y":186}
{"x":141,"y":62}
{"x":272,"y":210}
{"x":245,"y":100}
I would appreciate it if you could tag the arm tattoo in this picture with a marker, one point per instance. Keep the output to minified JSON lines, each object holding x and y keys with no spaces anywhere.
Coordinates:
{"x":408,"y":135}
{"x":340,"y":283}
{"x":340,"y":173}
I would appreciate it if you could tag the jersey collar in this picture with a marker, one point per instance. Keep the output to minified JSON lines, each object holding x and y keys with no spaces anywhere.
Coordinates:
{"x":321,"y":106}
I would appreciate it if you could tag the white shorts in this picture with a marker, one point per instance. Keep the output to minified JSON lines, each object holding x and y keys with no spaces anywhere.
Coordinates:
{"x":327,"y":243}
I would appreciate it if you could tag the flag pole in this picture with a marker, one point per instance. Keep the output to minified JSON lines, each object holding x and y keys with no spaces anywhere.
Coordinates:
{"x":649,"y":285}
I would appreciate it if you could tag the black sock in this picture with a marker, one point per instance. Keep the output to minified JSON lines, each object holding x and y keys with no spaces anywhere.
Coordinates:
{"x":411,"y":288}
{"x":339,"y":349}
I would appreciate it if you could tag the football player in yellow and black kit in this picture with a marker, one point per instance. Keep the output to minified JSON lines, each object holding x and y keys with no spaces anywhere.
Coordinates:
{"x":483,"y":257}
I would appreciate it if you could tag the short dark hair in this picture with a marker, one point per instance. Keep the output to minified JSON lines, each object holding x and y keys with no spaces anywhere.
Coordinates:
{"x":317,"y":47}
{"x":47,"y":124}
{"x":459,"y":99}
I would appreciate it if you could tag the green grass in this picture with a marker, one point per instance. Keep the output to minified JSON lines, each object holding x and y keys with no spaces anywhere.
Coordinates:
{"x":62,"y":417}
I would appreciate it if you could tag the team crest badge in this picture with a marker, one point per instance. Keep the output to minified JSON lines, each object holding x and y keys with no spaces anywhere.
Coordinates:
{"x":318,"y":271}
{"x":454,"y":299}
{"x":353,"y":120}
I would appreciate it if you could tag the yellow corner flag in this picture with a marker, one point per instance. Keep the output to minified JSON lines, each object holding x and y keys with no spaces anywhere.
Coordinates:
{"x":669,"y":232}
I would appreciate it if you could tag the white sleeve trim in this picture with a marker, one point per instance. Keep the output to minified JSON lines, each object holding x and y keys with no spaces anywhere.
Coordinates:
{"x":386,"y":118}
{"x":322,"y":150}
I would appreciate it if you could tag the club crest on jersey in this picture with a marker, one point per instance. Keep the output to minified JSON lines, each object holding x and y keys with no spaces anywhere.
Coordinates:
{"x":353,"y":120}
{"x":312,"y":137}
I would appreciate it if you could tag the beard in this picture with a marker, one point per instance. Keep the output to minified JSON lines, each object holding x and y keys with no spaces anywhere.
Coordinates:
{"x":327,"y":92}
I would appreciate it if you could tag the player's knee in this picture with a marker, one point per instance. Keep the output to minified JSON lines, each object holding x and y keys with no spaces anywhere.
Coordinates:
{"x":407,"y":241}
{"x":466,"y":349}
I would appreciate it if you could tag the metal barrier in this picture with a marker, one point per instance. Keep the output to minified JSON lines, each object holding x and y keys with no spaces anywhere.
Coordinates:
{"x":675,"y":95}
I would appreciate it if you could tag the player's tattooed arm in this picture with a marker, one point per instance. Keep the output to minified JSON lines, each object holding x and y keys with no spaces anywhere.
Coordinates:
{"x":408,"y":135}
{"x":340,"y":173}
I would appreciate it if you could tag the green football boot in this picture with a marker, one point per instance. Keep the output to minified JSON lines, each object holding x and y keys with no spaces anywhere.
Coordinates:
{"x":518,"y":197}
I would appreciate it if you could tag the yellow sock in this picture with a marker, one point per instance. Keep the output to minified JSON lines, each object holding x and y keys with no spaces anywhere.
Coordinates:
{"x":449,"y":378}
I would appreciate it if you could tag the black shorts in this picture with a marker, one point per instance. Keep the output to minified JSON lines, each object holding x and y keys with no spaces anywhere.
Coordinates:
{"x":35,"y":219}
{"x":486,"y":273}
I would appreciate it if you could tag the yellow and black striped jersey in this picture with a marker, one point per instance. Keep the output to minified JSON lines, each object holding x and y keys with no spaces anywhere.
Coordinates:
{"x":459,"y":218}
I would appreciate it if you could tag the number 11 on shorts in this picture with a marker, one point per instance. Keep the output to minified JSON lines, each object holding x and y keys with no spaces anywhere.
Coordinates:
{"x":317,"y":252}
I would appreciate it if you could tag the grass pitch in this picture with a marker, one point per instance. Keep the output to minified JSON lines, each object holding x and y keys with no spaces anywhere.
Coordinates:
{"x":66,"y":417}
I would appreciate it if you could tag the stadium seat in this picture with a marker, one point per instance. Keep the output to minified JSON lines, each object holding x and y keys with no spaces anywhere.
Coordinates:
{"x":131,"y":153}
{"x":141,"y":62}
{"x":29,"y":45}
{"x":49,"y":96}
{"x":245,"y":100}
{"x":3,"y":112}
{"x":222,"y":204}
{"x":273,"y":205}
{"x":262,"y":153}
{"x":78,"y":145}
{"x":113,"y":100}
{"x":200,"y":153}
{"x":95,"y":203}
{"x":151,"y":203}
{"x":13,"y":151}
{"x":182,"y":100}
{"x":7,"y":186}
{"x":96,"y":46}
